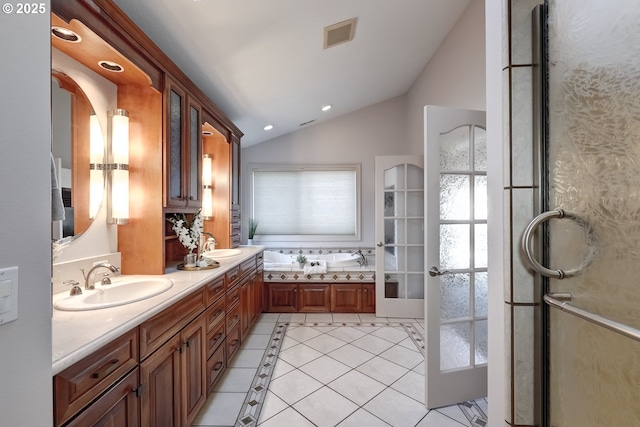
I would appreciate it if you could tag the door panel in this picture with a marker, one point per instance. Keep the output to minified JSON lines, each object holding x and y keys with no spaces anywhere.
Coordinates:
{"x":456,"y":256}
{"x":400,"y":235}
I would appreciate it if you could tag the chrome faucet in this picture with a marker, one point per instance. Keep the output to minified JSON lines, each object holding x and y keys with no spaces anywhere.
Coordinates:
{"x":89,"y":284}
{"x":363,"y":259}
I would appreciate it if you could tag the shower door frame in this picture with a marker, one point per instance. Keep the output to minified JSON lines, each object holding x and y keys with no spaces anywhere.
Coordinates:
{"x":541,"y":204}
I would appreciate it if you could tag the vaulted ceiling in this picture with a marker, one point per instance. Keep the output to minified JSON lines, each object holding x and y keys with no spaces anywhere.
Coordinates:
{"x":263,"y":61}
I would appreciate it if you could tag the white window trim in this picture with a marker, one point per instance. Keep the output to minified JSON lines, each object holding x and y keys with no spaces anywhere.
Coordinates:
{"x":251,"y":167}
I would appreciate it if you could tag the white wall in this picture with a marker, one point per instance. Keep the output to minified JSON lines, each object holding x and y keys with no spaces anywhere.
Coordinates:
{"x":454,"y":77}
{"x":25,"y":217}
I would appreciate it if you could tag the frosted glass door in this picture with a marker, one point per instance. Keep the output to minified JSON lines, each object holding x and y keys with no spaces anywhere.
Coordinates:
{"x":456,"y":241}
{"x":594,"y":172}
{"x":400,"y":236}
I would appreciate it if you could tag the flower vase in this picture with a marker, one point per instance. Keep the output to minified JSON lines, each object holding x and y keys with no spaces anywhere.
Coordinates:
{"x":249,"y":242}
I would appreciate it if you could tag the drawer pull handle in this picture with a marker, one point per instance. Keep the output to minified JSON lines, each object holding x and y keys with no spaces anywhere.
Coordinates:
{"x":217,"y":366}
{"x":217,"y":336}
{"x":234,"y":342}
{"x":218,"y":313}
{"x":105,"y":370}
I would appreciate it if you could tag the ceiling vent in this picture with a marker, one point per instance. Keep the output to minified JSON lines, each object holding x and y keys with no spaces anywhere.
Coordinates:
{"x":339,"y":33}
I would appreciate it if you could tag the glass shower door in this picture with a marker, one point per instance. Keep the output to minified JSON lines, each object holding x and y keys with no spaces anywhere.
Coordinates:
{"x":594,"y":173}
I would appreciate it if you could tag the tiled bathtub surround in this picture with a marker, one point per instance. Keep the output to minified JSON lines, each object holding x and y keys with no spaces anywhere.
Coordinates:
{"x":294,"y":274}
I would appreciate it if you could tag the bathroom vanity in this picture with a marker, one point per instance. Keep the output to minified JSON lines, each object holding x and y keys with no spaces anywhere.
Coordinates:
{"x":154,"y":362}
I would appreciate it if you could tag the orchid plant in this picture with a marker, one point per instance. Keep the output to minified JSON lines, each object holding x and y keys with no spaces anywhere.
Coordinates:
{"x":188,"y":233}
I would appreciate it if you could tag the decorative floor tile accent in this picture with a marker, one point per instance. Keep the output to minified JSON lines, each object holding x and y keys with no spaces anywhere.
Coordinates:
{"x":250,"y":411}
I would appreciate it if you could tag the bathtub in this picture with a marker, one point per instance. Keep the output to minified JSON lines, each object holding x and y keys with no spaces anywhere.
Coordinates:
{"x":274,"y":260}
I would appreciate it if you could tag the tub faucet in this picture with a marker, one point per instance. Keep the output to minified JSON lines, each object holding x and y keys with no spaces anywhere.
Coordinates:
{"x":89,"y":284}
{"x":363,"y":259}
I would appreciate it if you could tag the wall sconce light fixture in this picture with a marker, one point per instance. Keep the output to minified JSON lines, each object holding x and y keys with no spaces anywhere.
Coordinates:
{"x":207,"y":187}
{"x":119,"y":167}
{"x":96,"y":166}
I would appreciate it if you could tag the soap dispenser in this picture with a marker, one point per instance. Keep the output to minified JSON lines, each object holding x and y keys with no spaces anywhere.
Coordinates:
{"x":210,"y":245}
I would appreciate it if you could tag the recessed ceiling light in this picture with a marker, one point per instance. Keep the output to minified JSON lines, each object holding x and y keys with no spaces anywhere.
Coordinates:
{"x":327,"y":107}
{"x":268,"y":127}
{"x":66,"y":34}
{"x":111,"y":66}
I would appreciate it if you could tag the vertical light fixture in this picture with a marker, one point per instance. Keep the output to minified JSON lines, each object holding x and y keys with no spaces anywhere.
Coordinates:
{"x":207,"y":187}
{"x":119,"y":166}
{"x":96,"y":165}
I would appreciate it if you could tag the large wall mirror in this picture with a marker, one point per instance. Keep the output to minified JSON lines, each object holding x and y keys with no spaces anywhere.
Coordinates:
{"x":75,"y":130}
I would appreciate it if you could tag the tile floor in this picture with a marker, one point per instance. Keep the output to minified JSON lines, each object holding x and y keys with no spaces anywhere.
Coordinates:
{"x":331,"y":370}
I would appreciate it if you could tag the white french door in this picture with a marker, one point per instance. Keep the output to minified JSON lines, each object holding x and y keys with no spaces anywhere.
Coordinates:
{"x":399,"y":213}
{"x":456,"y":255}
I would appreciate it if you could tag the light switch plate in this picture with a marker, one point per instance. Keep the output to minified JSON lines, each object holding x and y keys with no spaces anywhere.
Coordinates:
{"x":9,"y":303}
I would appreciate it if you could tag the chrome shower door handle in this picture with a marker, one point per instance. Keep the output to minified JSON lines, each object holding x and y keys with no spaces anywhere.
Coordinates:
{"x":435,"y":271}
{"x":527,"y":245}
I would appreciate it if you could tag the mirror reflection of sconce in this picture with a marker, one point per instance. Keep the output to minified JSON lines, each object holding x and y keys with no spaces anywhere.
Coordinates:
{"x":118,"y":204}
{"x":207,"y":187}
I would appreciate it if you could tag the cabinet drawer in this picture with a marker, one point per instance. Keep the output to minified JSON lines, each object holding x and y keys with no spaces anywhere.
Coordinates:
{"x":231,"y":277}
{"x":214,"y":290}
{"x":232,"y":342}
{"x":235,"y":241}
{"x":235,"y":228}
{"x":235,"y":215}
{"x":79,"y":384}
{"x":260,"y":260}
{"x":233,"y":298}
{"x":247,"y":266}
{"x":233,"y":317}
{"x":215,"y":367}
{"x":215,"y":314}
{"x":157,"y":330}
{"x":117,"y":407}
{"x":214,"y":338}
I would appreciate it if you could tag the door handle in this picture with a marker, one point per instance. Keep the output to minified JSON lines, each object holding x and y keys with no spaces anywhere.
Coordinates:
{"x":435,"y":271}
{"x":379,"y":244}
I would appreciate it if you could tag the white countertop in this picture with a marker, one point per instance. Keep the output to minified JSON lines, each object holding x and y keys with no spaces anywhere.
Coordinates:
{"x":76,"y":334}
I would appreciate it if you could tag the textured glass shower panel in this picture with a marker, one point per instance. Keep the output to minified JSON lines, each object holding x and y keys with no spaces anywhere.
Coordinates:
{"x":455,"y":197}
{"x":455,"y":247}
{"x":454,"y":150}
{"x":594,"y":167}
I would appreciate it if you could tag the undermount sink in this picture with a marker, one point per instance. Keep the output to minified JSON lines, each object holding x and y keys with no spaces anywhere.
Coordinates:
{"x":123,"y":290}
{"x":221,"y":253}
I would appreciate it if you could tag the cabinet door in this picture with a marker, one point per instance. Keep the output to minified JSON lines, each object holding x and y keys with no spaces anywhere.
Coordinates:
{"x":119,"y":407}
{"x":193,"y":145}
{"x":160,"y":381}
{"x":176,"y":98}
{"x":282,"y":297}
{"x":314,"y":298}
{"x":346,"y":298}
{"x":193,"y":369}
{"x":246,"y":306}
{"x":368,"y":298}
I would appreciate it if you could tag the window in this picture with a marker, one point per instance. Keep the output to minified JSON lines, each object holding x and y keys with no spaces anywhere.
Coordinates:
{"x":306,"y":202}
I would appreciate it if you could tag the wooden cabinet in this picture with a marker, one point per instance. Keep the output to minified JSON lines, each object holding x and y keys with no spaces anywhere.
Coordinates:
{"x":77,"y":386}
{"x":319,"y":297}
{"x":183,"y":151}
{"x":117,"y":407}
{"x":160,"y":379}
{"x":173,"y":378}
{"x":353,"y":298}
